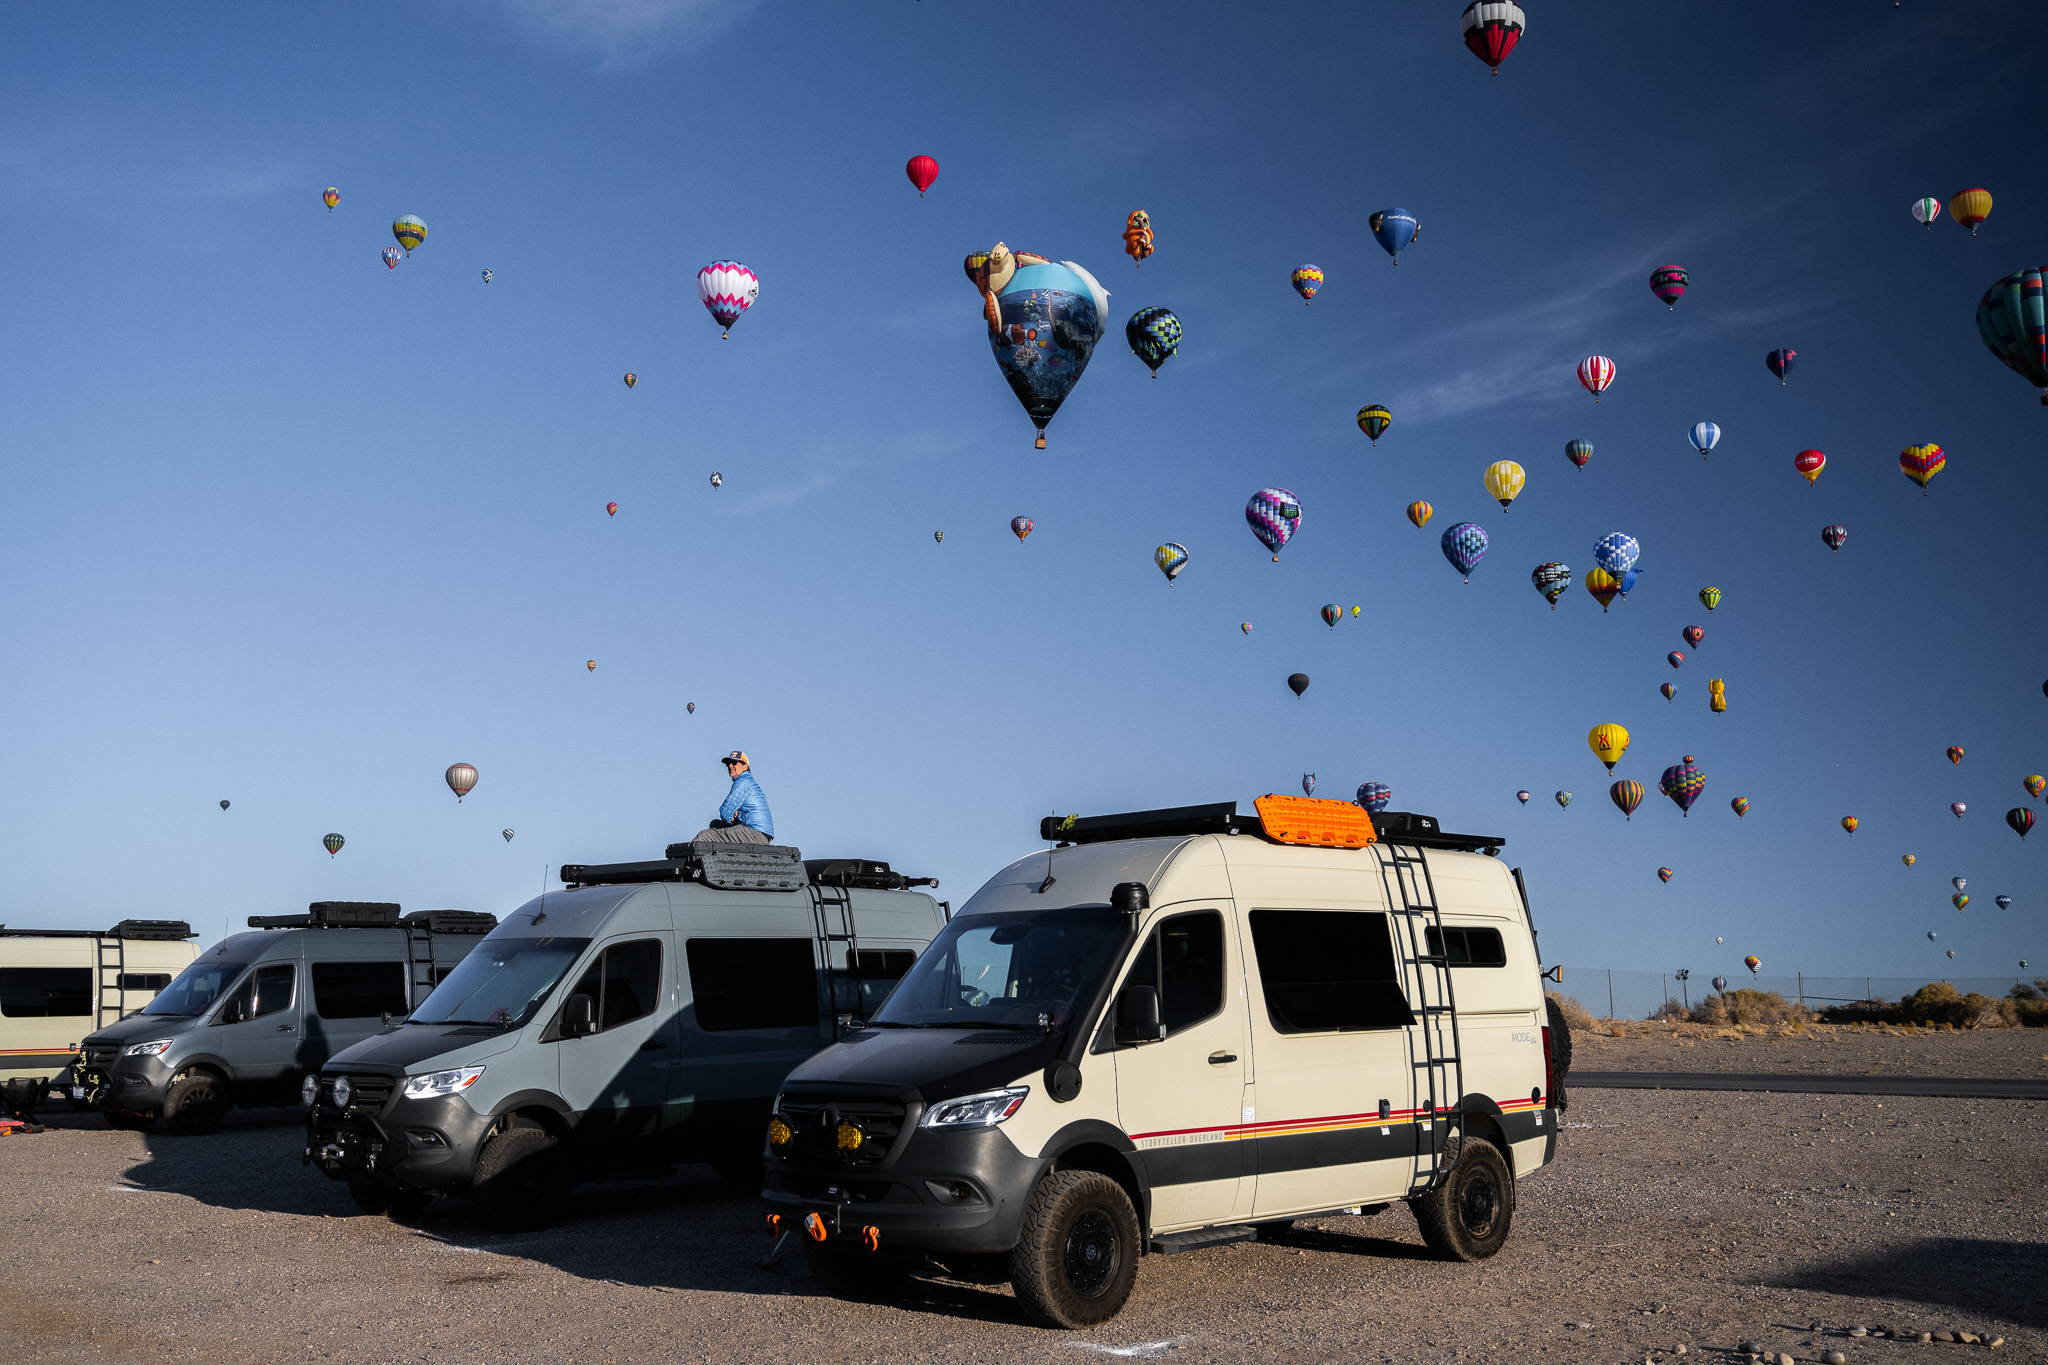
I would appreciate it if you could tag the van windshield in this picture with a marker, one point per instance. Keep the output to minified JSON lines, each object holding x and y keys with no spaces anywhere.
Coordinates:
{"x":196,"y":988}
{"x":1028,"y":970}
{"x":503,"y":982}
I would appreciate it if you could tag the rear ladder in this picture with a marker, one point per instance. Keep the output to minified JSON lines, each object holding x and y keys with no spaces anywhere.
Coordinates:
{"x":110,"y":955}
{"x":833,"y":906}
{"x":1440,"y":1069}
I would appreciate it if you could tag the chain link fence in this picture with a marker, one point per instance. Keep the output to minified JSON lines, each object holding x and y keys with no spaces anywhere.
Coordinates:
{"x":1613,"y":994}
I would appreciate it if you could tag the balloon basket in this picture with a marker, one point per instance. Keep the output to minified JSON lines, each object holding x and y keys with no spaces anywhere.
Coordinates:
{"x":1039,"y":444}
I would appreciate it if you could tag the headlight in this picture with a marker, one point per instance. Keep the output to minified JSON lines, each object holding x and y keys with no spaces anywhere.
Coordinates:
{"x":984,"y":1110}
{"x":441,"y":1082}
{"x":309,"y":1091}
{"x":156,"y":1047}
{"x":343,"y":1092}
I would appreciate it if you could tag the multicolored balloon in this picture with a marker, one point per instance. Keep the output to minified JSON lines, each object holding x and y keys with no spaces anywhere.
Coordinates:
{"x":1955,"y":754}
{"x":1925,"y":211}
{"x":2012,"y":318}
{"x":1692,"y":635}
{"x":1958,"y":809}
{"x":1834,"y":535}
{"x":1332,"y":614}
{"x":1274,"y":514}
{"x":1670,"y":690}
{"x":1374,"y":796}
{"x":1138,"y":236}
{"x":1849,"y":823}
{"x":1720,"y":982}
{"x":1154,"y":335}
{"x":938,"y":537}
{"x":1420,"y":513}
{"x":1604,"y":586}
{"x":1171,"y":558}
{"x":631,"y":379}
{"x":1608,"y":743}
{"x":333,"y":843}
{"x":590,"y":665}
{"x":1921,"y":463}
{"x":1578,"y":452}
{"x":1245,"y":627}
{"x":409,"y":231}
{"x":1665,"y":874}
{"x":1464,"y":545}
{"x":691,"y":707}
{"x":922,"y":170}
{"x":1908,"y":859}
{"x":2035,"y":784}
{"x":1596,"y":372}
{"x":1705,"y":436}
{"x":1740,"y":805}
{"x":1810,"y":463}
{"x":1522,"y":797}
{"x":1492,"y":28}
{"x":392,"y":256}
{"x":1970,"y":207}
{"x":1683,"y":783}
{"x":2020,"y":819}
{"x":1779,"y":362}
{"x":1504,"y":480}
{"x":330,"y":197}
{"x":1626,"y":796}
{"x":1393,"y":229}
{"x":1373,"y":420}
{"x":1616,"y":552}
{"x":1306,"y":279}
{"x":1563,"y":798}
{"x":1308,"y":784}
{"x":1950,"y":952}
{"x":1021,"y":527}
{"x":487,"y":274}
{"x":1297,"y":683}
{"x":1752,"y":962}
{"x":1675,"y":657}
{"x":1959,"y":900}
{"x":1710,"y":598}
{"x":1552,"y":580}
{"x":461,"y":779}
{"x":1668,"y":283}
{"x":727,"y":289}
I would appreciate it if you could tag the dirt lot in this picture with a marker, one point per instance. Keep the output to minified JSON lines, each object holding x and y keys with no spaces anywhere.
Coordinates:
{"x":1671,"y":1218}
{"x":1817,"y":1049}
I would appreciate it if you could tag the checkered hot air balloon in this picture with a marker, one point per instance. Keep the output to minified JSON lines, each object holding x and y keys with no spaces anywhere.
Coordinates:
{"x":1668,"y":283}
{"x":1491,"y":29}
{"x":1504,"y":480}
{"x":1171,"y":558}
{"x":1834,"y":536}
{"x":728,"y":289}
{"x":1374,"y":796}
{"x":2012,"y":317}
{"x":1552,"y":580}
{"x":487,"y":274}
{"x":1710,"y":598}
{"x":1596,"y":372}
{"x":1306,"y":279}
{"x":1617,"y":552}
{"x":1464,"y":545}
{"x":1921,"y":463}
{"x":1154,"y":335}
{"x":461,"y":779}
{"x":1274,"y":514}
{"x":1578,"y":452}
{"x":2035,"y":785}
{"x":1373,"y":420}
{"x":1683,"y":783}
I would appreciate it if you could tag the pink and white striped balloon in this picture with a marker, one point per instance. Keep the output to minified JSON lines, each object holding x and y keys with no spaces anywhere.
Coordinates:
{"x":728,"y":289}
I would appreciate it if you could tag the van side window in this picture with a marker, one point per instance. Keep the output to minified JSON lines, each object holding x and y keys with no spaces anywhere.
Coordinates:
{"x":742,"y":983}
{"x":268,"y":990}
{"x":45,"y":992}
{"x":881,"y":964}
{"x":624,"y":984}
{"x":145,"y":981}
{"x":1182,"y":959}
{"x":358,"y":990}
{"x":1467,"y":947}
{"x":1327,"y":971}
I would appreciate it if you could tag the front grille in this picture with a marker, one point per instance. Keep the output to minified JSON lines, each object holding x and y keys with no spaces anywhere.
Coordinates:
{"x":370,"y":1093}
{"x":816,"y":1125}
{"x":100,"y":1058}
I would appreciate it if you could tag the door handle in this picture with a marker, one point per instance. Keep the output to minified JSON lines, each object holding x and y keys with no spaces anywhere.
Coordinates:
{"x":653,"y":1045}
{"x":1220,"y":1058}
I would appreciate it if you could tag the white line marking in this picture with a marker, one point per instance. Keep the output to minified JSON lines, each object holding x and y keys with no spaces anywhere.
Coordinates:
{"x":1140,"y":1351}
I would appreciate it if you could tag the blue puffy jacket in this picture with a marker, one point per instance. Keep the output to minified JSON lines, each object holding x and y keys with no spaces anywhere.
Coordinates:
{"x":747,"y":804}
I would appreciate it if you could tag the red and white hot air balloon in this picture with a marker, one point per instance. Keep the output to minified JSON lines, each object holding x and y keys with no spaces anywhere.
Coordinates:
{"x":1596,"y":372}
{"x":1492,"y":28}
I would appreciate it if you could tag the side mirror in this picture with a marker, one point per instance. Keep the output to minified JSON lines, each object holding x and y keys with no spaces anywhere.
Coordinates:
{"x":232,"y":1012}
{"x":579,"y":1017}
{"x":1137,"y":1015}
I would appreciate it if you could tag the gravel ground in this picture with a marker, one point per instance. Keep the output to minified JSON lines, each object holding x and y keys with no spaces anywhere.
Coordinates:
{"x":1824,"y":1050}
{"x":1670,"y":1219}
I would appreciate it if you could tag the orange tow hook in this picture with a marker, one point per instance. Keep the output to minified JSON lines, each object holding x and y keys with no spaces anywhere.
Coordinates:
{"x":775,"y":1224}
{"x":871,"y":1237}
{"x":815,"y":1226}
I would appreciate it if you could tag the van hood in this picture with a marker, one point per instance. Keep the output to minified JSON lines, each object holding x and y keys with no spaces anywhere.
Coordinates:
{"x":138,"y":1028}
{"x":927,"y":1064}
{"x":399,"y":1049}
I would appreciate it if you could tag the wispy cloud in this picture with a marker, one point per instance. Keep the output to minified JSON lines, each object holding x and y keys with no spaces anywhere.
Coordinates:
{"x":618,"y":34}
{"x":68,"y":163}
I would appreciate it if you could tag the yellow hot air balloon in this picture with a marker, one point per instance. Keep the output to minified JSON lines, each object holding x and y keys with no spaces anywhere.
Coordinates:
{"x":631,"y":379}
{"x":409,"y":231}
{"x":330,"y":197}
{"x":1420,"y":513}
{"x":1717,"y":695}
{"x":1504,"y":479}
{"x":1609,"y":743}
{"x":1970,"y":207}
{"x":1849,"y":822}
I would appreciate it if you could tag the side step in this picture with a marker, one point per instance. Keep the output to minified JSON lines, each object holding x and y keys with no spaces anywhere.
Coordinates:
{"x":1174,"y":1242}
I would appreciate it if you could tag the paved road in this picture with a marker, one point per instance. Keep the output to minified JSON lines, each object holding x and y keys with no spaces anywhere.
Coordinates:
{"x":1953,"y":1087}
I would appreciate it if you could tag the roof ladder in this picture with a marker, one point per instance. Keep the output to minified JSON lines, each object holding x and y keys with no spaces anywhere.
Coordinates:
{"x":1439,"y":1063}
{"x":109,"y":1003}
{"x":419,"y":960}
{"x":834,"y":909}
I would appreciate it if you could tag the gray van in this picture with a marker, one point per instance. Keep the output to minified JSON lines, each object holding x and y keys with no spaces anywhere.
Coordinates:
{"x":640,"y":1018}
{"x":258,"y":1012}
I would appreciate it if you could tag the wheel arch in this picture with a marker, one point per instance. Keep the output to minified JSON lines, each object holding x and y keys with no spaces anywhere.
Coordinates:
{"x":1092,"y":1145}
{"x":1481,"y":1117}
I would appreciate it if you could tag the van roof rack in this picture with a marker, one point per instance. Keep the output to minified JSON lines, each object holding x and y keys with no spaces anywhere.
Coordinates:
{"x":334,"y":915}
{"x":451,"y":921}
{"x":864,"y":873}
{"x":169,"y":930}
{"x":1223,"y":817}
{"x":723,"y":866}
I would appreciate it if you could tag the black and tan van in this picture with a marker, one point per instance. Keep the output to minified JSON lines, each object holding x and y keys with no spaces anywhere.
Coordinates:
{"x":1173,"y":1029}
{"x":57,"y":985}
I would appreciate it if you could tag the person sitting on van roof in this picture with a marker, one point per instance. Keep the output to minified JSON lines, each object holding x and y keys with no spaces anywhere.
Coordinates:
{"x":744,"y":818}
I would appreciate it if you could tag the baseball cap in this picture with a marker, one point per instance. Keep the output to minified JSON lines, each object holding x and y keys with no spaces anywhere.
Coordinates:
{"x":736,"y":756}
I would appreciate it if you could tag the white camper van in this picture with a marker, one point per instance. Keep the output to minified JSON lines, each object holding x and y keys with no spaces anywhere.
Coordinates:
{"x":1175,"y":1029}
{"x":58,"y":985}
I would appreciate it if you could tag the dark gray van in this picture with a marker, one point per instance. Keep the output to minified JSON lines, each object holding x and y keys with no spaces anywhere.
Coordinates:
{"x":640,"y":1018}
{"x":258,"y":1012}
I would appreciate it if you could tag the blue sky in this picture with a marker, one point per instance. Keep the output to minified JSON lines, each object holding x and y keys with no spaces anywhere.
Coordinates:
{"x":290,"y":529}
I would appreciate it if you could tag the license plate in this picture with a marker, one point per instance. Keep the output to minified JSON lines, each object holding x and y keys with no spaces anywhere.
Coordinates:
{"x":77,"y":1092}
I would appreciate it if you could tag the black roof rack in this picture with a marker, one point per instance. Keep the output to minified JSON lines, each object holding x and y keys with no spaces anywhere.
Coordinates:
{"x":861,"y":872}
{"x":334,"y":915}
{"x":726,"y":867}
{"x":169,"y":930}
{"x":452,"y":921}
{"x":1222,"y":817}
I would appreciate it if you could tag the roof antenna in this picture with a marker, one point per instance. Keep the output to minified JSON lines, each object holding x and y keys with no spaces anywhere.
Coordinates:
{"x":542,"y":913}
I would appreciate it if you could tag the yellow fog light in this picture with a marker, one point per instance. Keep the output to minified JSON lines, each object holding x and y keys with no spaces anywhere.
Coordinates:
{"x":779,"y":1133}
{"x":847,"y":1137}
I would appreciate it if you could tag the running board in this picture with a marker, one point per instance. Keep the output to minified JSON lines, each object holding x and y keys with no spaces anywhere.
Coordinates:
{"x":1174,"y":1242}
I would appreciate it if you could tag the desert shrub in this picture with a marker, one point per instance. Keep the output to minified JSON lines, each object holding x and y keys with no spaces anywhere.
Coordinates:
{"x":1939,"y":1003}
{"x":1749,"y":1007}
{"x":2026,"y":1011}
{"x":1671,"y":1012}
{"x":1877,"y":1011}
{"x":1576,"y":1016}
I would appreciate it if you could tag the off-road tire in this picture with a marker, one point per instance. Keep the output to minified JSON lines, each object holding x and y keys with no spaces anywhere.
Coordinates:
{"x":129,"y":1123}
{"x":1468,"y":1215}
{"x":852,"y":1274}
{"x":1077,"y":1257}
{"x":196,"y":1104}
{"x":1560,"y":1053}
{"x":522,"y":1180}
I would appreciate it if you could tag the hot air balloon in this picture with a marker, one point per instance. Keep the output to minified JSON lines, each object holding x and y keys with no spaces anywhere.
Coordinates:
{"x":1925,"y":211}
{"x":1245,"y":626}
{"x":727,"y":289}
{"x":1780,"y":361}
{"x":1668,"y":283}
{"x":460,"y":778}
{"x":1950,"y":953}
{"x":2035,"y":785}
{"x":1710,"y":598}
{"x":2020,"y":819}
{"x":1552,"y":580}
{"x":507,"y":833}
{"x":1959,"y":883}
{"x":1958,"y":809}
{"x":1970,"y":207}
{"x":1357,"y":610}
{"x":1720,"y":982}
{"x":1504,"y":480}
{"x":487,"y":274}
{"x":717,"y":479}
{"x":1464,"y":545}
{"x":1578,"y":452}
{"x":224,"y":805}
{"x":1959,"y":900}
{"x":330,"y":197}
{"x":611,"y":509}
{"x":1626,"y":796}
{"x":1931,"y":936}
{"x":1596,"y":372}
{"x":1374,"y":796}
{"x":938,"y":537}
{"x":1394,"y":229}
{"x":1154,"y":335}
{"x":590,"y":665}
{"x":1752,"y":962}
{"x":1833,"y":535}
{"x":409,"y":231}
{"x":631,"y":379}
{"x":1608,"y":743}
{"x":922,"y":170}
{"x":1683,"y":783}
{"x":1908,"y":859}
{"x":333,"y":843}
{"x":1308,"y":784}
{"x":1274,"y":514}
{"x":1675,"y":657}
{"x":1692,"y":635}
{"x":1171,"y":558}
{"x":1044,"y":319}
{"x":1921,"y":463}
{"x":1332,"y":614}
{"x":2012,"y":317}
{"x":1810,"y":463}
{"x":1306,"y":279}
{"x":1373,"y":420}
{"x":1705,"y":436}
{"x":1668,"y":689}
{"x":392,"y":256}
{"x":1563,"y":799}
{"x":1021,"y":527}
{"x":2004,"y":903}
{"x":1492,"y":28}
{"x":1603,"y":585}
{"x":1616,"y":552}
{"x":1664,"y":874}
{"x":1717,"y":695}
{"x":1850,"y":822}
{"x":1297,"y":683}
{"x":1138,"y":236}
{"x":1420,"y":513}
{"x":1955,"y":753}
{"x":1740,"y":805}
{"x":691,"y":707}
{"x":1522,"y":797}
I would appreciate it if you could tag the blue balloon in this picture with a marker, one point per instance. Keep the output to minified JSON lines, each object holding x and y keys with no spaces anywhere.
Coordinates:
{"x":1374,"y":796}
{"x":1616,"y":552}
{"x":1705,"y":436}
{"x":1628,"y":579}
{"x":1395,"y":229}
{"x":1050,"y":324}
{"x":1464,"y":545}
{"x":1154,"y":335}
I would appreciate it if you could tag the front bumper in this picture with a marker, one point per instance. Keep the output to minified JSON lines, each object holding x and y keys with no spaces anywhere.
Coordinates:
{"x":429,"y":1144}
{"x":960,"y":1192}
{"x":125,"y":1085}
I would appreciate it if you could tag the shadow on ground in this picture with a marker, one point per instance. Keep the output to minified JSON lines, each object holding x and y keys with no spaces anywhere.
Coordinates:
{"x":2003,"y":1280}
